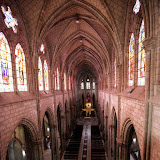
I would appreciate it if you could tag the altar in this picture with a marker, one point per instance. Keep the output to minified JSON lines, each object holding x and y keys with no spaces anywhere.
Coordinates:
{"x":88,"y":106}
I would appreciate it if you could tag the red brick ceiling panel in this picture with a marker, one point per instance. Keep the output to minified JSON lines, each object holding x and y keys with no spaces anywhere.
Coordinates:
{"x":68,"y":49}
{"x":118,"y":9}
{"x":70,"y":29}
{"x":85,"y":66}
{"x":30,"y":10}
{"x":53,"y":37}
{"x":72,"y":45}
{"x":75,"y":50}
{"x":85,"y":69}
{"x":84,"y":57}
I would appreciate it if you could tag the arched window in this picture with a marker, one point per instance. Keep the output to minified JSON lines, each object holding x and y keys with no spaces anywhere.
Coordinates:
{"x":21,"y":68}
{"x":69,"y":83}
{"x":57,"y":81}
{"x":42,"y":48}
{"x":136,"y":7}
{"x":115,"y":73}
{"x":131,"y":61}
{"x":88,"y":86}
{"x":94,"y":85}
{"x":141,"y":56}
{"x":65,"y":83}
{"x":40,"y":77}
{"x":82,"y":85}
{"x":6,"y":78}
{"x":46,"y":75}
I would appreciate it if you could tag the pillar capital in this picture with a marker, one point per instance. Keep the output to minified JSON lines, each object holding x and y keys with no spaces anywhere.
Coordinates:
{"x":150,"y":43}
{"x":53,"y":126}
{"x":119,"y":141}
{"x":112,"y":126}
{"x":38,"y":142}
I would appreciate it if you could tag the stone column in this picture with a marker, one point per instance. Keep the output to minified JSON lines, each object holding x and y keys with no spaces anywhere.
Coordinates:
{"x":112,"y":145}
{"x":56,"y":151}
{"x":38,"y":150}
{"x":109,"y":116}
{"x":106,"y":135}
{"x":149,"y":45}
{"x":119,"y":149}
{"x":124,"y":151}
{"x":63,"y":132}
{"x":52,"y":141}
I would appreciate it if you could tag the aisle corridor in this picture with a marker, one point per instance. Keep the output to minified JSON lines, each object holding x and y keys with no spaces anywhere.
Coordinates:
{"x":86,"y":142}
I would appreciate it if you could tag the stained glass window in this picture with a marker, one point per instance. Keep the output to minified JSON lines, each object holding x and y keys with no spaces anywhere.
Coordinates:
{"x":115,"y":73}
{"x":40,"y":76}
{"x":131,"y":61}
{"x":88,"y":84}
{"x":6,"y":79}
{"x":141,"y":56}
{"x":65,"y":83}
{"x":42,"y":48}
{"x":57,"y":80}
{"x":82,"y":85}
{"x":136,"y":7}
{"x":69,"y":83}
{"x":9,"y":20}
{"x":46,"y":75}
{"x":94,"y":85}
{"x":21,"y":68}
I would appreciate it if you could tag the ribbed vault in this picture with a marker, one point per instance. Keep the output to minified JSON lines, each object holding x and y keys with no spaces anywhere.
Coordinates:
{"x":86,"y":45}
{"x":77,"y":34}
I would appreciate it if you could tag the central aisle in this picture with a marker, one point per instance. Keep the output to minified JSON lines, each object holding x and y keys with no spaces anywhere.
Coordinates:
{"x":86,"y":142}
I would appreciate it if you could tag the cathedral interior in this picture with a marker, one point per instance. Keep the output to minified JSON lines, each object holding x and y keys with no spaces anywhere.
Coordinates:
{"x":79,"y":79}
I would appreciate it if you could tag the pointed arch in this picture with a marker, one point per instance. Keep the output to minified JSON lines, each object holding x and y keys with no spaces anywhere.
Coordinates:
{"x":131,"y":61}
{"x":65,"y":82}
{"x":21,"y":68}
{"x":6,"y":77}
{"x":115,"y":73}
{"x":57,"y":80}
{"x":46,"y":75}
{"x":130,"y":139}
{"x":40,"y":74}
{"x":141,"y":56}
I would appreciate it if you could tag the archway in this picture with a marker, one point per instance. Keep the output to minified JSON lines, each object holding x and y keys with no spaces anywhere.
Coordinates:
{"x":21,"y":145}
{"x":132,"y":149}
{"x":47,"y":137}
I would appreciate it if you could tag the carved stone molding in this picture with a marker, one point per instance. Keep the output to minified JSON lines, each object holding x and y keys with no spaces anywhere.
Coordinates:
{"x":150,"y":43}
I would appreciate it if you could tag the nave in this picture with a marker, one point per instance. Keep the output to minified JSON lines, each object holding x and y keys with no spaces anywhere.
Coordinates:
{"x":61,"y":57}
{"x":86,"y":141}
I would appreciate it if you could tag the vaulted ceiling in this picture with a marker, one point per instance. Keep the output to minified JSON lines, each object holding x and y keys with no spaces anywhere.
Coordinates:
{"x":82,"y":34}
